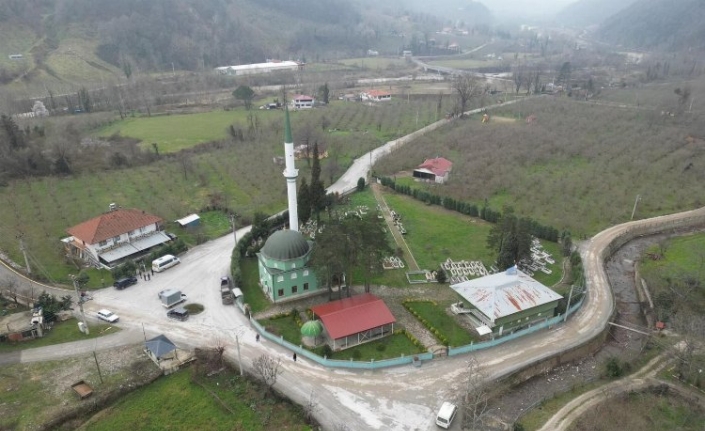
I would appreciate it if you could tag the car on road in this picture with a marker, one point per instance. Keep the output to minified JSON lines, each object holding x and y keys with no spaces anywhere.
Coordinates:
{"x":125,"y":282}
{"x":446,"y":414}
{"x":107,"y":315}
{"x":178,"y":313}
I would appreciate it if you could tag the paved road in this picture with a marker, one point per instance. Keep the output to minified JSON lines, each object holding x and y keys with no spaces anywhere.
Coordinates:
{"x":403,"y":398}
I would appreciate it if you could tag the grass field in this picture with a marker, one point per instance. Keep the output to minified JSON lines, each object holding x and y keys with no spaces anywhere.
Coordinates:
{"x":378,"y":63}
{"x":445,"y":326}
{"x":176,"y":132}
{"x":468,"y":63}
{"x":175,"y":402}
{"x":61,"y":332}
{"x":389,"y":347}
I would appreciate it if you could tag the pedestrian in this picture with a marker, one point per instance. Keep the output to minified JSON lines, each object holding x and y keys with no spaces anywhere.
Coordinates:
{"x":257,"y":337}
{"x":294,"y":356}
{"x":152,"y":271}
{"x":148,"y":277}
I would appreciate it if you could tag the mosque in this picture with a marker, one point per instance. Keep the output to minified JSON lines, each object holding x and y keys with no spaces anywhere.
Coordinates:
{"x":283,"y":260}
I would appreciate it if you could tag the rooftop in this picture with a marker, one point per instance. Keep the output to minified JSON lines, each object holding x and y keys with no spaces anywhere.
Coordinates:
{"x":112,"y":224}
{"x":350,"y":316}
{"x":505,"y":293}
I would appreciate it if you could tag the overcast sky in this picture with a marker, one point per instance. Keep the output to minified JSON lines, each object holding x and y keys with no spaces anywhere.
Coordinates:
{"x":526,"y":7}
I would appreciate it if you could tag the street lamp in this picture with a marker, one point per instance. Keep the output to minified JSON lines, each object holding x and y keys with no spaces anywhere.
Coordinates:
{"x":80,"y":303}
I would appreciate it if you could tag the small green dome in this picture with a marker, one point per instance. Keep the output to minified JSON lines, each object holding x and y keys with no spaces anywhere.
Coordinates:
{"x":285,"y":245}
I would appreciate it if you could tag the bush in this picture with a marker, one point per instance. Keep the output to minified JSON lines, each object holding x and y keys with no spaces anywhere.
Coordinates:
{"x":356,"y":354}
{"x":613,"y":368}
{"x":381,"y":347}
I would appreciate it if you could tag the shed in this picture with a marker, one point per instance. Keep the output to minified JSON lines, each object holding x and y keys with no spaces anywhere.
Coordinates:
{"x":191,"y":220}
{"x":160,"y":348}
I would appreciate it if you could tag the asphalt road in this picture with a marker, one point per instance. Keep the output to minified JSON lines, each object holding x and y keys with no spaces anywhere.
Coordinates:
{"x":402,"y":398}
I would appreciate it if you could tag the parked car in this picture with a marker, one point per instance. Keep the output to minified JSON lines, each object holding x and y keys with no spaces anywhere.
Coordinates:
{"x":107,"y":315}
{"x":125,"y":282}
{"x":178,"y":313}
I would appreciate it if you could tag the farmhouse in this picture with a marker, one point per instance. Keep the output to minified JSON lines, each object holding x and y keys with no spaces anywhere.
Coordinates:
{"x":257,"y":68}
{"x":507,"y":301}
{"x":352,"y":321}
{"x":300,"y":101}
{"x":434,"y":170}
{"x":376,"y":95}
{"x":283,"y":270}
{"x":113,"y":237}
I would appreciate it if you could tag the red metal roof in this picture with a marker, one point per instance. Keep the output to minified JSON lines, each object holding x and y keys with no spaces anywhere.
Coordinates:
{"x":352,"y":315}
{"x":378,"y":93}
{"x":439,"y":166}
{"x":302,"y":97}
{"x":112,"y":224}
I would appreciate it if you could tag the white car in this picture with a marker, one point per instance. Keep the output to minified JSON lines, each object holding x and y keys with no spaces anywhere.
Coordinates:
{"x":108,"y":316}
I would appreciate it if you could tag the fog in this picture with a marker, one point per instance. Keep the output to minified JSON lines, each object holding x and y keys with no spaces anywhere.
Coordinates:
{"x":525,"y":8}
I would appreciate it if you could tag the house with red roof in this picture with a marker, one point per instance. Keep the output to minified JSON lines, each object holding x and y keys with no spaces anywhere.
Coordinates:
{"x":351,"y":321}
{"x":376,"y":95}
{"x":434,"y":170}
{"x":115,"y":236}
{"x":301,"y":101}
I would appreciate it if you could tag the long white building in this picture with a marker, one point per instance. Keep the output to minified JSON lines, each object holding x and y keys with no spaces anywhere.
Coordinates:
{"x":268,"y":67}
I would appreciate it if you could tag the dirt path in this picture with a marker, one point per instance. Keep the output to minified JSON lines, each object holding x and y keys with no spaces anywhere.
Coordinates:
{"x":398,"y":237}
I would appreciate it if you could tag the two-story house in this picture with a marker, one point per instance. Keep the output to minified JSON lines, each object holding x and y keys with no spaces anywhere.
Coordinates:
{"x":115,"y":236}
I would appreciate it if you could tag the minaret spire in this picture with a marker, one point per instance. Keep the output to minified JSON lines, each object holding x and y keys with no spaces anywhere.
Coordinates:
{"x":290,"y":173}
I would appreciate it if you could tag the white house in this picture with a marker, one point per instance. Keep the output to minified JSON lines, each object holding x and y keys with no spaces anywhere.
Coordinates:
{"x":376,"y":95}
{"x":114,"y":236}
{"x":434,"y":170}
{"x":300,"y":101}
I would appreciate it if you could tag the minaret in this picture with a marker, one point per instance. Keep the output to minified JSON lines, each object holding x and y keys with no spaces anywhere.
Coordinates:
{"x":290,"y":173}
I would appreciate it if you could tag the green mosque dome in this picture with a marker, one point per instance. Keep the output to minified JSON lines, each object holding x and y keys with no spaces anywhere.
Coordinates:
{"x":285,"y":245}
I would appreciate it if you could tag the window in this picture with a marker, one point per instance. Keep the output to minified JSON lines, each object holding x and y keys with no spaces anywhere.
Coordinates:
{"x":305,"y":286}
{"x":293,"y":276}
{"x":280,"y":292}
{"x":280,"y":278}
{"x":305,"y":272}
{"x":293,"y":265}
{"x":294,"y":289}
{"x":116,"y":239}
{"x":103,"y":243}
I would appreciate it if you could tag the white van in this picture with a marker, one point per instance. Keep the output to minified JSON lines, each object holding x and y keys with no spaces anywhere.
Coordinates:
{"x":164,"y":262}
{"x":446,"y":415}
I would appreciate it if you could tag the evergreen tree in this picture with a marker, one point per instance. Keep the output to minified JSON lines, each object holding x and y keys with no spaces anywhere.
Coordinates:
{"x":317,"y":193}
{"x":304,"y":201}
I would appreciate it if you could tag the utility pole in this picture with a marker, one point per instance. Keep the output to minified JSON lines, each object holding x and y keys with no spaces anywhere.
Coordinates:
{"x":636,"y":201}
{"x":232,"y":222}
{"x":239,"y":359}
{"x":80,"y":302}
{"x":567,"y":307}
{"x":24,"y":253}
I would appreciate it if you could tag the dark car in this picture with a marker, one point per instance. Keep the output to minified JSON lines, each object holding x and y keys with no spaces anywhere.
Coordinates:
{"x":125,"y":282}
{"x":178,"y":313}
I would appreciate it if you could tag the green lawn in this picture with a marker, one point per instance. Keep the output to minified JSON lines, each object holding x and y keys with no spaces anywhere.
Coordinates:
{"x":283,"y":326}
{"x":254,"y":296}
{"x":377,"y":63}
{"x":389,"y":347}
{"x":436,"y":317}
{"x":176,"y":132}
{"x":436,"y":234}
{"x":175,"y":402}
{"x":61,"y":332}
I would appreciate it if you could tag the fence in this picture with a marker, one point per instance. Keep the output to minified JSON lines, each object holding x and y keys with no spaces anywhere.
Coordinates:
{"x":452,"y":351}
{"x":336,"y":363}
{"x":405,"y":360}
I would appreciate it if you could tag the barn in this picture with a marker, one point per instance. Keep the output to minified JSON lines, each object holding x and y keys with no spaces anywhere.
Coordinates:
{"x":435,"y":170}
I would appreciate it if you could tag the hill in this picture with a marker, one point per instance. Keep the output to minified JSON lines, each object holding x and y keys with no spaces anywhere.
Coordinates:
{"x":69,"y":43}
{"x":648,"y":24}
{"x":584,"y":13}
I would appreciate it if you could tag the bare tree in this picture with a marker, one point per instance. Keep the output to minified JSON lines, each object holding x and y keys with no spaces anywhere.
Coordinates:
{"x":476,"y":397}
{"x":311,"y":406}
{"x":267,"y":368}
{"x":691,"y":328}
{"x":467,"y":87}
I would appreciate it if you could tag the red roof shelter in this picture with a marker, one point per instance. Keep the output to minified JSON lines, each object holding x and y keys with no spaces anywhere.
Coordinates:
{"x":351,"y":321}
